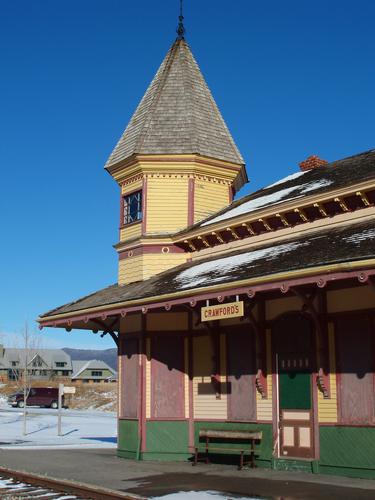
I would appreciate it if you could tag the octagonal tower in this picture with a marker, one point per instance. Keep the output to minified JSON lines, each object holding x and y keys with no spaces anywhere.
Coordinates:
{"x":176,"y":163}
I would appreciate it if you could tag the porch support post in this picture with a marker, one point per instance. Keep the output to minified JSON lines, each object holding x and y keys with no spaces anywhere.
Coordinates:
{"x":191,"y":375}
{"x":142,"y":390}
{"x":320,"y":322}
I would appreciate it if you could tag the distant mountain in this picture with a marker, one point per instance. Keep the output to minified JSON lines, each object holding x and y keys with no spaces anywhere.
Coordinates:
{"x":109,"y":356}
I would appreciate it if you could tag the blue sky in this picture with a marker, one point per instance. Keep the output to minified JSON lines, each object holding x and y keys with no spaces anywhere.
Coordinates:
{"x":291,"y":78}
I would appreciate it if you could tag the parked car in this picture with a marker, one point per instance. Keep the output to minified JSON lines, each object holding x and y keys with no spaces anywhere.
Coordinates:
{"x":38,"y":396}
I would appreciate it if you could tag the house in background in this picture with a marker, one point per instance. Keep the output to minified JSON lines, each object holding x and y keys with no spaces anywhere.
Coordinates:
{"x":93,"y":371}
{"x":42,"y":363}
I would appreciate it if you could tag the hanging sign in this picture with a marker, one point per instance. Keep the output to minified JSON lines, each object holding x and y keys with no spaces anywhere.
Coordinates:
{"x":222,"y":311}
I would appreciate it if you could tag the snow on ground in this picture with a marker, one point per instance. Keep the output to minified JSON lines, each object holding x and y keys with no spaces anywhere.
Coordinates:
{"x":214,"y":270}
{"x":13,"y":486}
{"x":200,"y":495}
{"x":270,"y":199}
{"x":3,"y":401}
{"x":80,"y":428}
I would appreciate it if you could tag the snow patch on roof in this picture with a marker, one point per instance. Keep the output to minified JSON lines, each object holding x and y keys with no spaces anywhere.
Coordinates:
{"x":362,"y":236}
{"x":214,"y":270}
{"x":312,"y":186}
{"x":286,"y":179}
{"x":270,"y":199}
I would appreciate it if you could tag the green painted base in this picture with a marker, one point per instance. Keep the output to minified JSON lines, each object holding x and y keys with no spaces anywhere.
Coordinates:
{"x":294,"y":465}
{"x":348,"y":472}
{"x":168,"y":457}
{"x":344,"y":451}
{"x":132,"y":455}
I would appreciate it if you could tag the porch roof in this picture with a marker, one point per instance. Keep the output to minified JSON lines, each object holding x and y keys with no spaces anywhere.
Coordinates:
{"x":332,"y":246}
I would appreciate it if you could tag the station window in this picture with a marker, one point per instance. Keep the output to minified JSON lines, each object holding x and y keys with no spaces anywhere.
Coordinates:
{"x":132,"y":208}
{"x":96,"y":374}
{"x":60,"y":364}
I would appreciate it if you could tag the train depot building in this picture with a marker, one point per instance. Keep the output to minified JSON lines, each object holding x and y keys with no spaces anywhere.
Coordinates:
{"x":255,"y":314}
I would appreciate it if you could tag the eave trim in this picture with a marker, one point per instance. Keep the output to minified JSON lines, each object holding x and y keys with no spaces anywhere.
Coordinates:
{"x":283,"y":281}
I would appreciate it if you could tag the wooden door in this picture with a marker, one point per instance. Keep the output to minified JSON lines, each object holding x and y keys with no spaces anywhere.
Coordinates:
{"x":294,"y":356}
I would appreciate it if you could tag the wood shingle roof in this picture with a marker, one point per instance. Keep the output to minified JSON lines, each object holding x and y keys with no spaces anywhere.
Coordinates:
{"x":177,"y":115}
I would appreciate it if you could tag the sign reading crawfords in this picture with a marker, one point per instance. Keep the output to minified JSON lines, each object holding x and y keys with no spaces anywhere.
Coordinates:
{"x":222,"y":311}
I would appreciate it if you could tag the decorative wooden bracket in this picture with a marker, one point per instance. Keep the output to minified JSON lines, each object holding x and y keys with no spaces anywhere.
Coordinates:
{"x":261,"y":384}
{"x":261,"y":376}
{"x":321,"y":383}
{"x":108,"y":329}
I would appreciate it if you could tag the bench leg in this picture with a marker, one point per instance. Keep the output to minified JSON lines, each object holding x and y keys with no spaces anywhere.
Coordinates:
{"x":195,"y":457}
{"x":240,"y":467}
{"x":252,"y":456}
{"x":207,"y":459}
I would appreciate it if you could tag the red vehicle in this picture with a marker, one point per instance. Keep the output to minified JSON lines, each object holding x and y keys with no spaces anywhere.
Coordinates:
{"x":38,"y":396}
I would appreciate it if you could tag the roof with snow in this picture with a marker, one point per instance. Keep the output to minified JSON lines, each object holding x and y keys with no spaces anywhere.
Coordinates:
{"x":177,"y":115}
{"x":335,"y":175}
{"x":341,"y":244}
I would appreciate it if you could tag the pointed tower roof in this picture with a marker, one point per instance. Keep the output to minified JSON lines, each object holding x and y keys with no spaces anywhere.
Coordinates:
{"x":177,"y":115}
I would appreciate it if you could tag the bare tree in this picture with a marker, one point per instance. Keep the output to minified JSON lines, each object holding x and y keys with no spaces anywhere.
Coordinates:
{"x":22,"y":373}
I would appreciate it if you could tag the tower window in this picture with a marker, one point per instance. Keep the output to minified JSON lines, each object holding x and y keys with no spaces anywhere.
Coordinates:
{"x":132,"y":207}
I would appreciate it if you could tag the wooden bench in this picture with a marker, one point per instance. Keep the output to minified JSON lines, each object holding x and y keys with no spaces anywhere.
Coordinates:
{"x":207,"y":434}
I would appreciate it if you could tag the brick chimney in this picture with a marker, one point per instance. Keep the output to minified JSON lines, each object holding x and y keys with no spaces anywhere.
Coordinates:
{"x":312,"y":162}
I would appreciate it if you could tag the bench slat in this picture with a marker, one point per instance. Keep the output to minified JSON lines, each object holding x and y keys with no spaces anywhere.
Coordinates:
{"x":247,"y":451}
{"x":230,"y":434}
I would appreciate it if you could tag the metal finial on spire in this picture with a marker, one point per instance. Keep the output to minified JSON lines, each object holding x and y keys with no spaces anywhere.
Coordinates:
{"x":181,"y":27}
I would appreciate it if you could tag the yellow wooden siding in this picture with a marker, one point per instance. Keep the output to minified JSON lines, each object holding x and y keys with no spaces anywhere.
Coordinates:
{"x":206,"y":406}
{"x":142,"y":267}
{"x":167,"y":204}
{"x":148,"y":378}
{"x":350,"y":299}
{"x":130,"y":270}
{"x":167,"y":321}
{"x":186,"y":376}
{"x":327,"y":408}
{"x":264,"y":406}
{"x":131,"y":186}
{"x":209,"y":198}
{"x":131,"y":232}
{"x":159,"y":262}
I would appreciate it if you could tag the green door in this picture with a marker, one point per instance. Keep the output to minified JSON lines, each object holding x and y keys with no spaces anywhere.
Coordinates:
{"x":295,"y":390}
